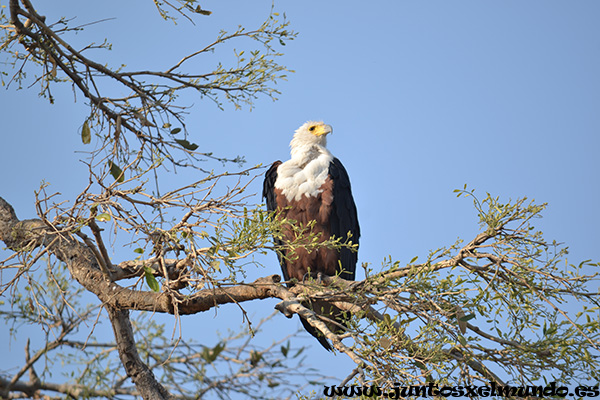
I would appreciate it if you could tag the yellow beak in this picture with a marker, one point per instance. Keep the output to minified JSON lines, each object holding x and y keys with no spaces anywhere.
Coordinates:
{"x":321,"y":130}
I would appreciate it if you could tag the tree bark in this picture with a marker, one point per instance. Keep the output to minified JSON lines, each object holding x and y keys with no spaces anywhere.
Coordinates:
{"x":28,"y":234}
{"x":136,"y":369}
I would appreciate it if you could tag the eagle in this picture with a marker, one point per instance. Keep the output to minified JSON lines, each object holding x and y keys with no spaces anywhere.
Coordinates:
{"x":312,"y":189}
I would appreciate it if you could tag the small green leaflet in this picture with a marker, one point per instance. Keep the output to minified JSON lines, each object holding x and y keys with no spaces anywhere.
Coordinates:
{"x":104,"y":217}
{"x":151,"y":280}
{"x":187,"y":145}
{"x":116,"y":172}
{"x":210,"y":355}
{"x":420,"y":365}
{"x":255,"y":357}
{"x":86,"y":134}
{"x":467,"y":317}
{"x":199,"y":10}
{"x":285,"y":349}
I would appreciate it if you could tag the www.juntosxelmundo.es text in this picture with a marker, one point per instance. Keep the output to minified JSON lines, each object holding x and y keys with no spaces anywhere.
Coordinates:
{"x":434,"y":390}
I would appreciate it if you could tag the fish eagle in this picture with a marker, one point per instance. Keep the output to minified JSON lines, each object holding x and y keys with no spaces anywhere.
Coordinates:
{"x":312,"y":189}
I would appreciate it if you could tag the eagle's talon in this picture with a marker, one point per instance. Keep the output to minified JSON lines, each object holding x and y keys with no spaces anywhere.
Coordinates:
{"x":316,"y":276}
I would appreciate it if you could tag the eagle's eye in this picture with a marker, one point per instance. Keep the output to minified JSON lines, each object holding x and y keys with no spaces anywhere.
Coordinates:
{"x":312,"y":128}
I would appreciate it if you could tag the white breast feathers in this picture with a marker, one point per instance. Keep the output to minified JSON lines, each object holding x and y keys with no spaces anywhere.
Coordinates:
{"x":295,"y":180}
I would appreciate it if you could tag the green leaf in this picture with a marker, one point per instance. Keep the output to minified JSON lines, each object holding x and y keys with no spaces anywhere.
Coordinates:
{"x":139,"y":250}
{"x":104,"y":217}
{"x":210,"y":355}
{"x":187,"y":145}
{"x":175,"y":131}
{"x":467,"y":317}
{"x":544,"y":329}
{"x":387,"y":319}
{"x":116,"y":172}
{"x":199,"y":10}
{"x":255,"y":357}
{"x":298,"y":352}
{"x":420,"y":365}
{"x":216,"y":264}
{"x":151,"y":280}
{"x":86,"y":134}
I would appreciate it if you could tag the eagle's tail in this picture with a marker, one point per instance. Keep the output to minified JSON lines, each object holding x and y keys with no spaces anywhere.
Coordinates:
{"x":332,"y":313}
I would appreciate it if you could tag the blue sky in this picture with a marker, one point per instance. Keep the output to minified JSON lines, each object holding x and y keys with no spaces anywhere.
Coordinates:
{"x":424,"y":97}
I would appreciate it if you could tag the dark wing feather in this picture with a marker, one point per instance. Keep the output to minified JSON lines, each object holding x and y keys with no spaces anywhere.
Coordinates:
{"x":269,"y":195}
{"x":269,"y":186}
{"x":344,"y":218}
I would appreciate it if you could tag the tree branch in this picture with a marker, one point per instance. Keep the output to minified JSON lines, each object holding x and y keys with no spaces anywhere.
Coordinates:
{"x":32,"y":388}
{"x":84,"y":267}
{"x":137,"y":370}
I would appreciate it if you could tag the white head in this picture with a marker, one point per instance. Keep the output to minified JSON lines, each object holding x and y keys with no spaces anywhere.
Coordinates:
{"x":311,"y":134}
{"x":308,"y":168}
